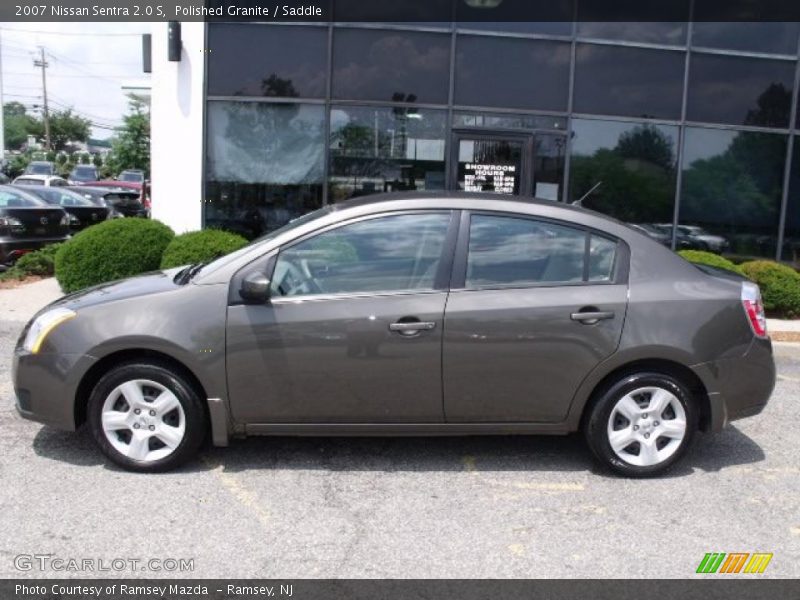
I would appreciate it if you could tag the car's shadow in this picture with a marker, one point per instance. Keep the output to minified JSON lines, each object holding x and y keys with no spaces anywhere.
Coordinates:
{"x":710,"y":452}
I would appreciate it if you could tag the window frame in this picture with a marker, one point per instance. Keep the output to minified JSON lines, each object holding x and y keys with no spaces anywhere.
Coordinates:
{"x":619,"y":269}
{"x":441,"y":282}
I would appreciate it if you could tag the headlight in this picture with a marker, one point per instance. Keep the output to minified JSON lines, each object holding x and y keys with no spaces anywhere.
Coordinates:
{"x":43,"y":325}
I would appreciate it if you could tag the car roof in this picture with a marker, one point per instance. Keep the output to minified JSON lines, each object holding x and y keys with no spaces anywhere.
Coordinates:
{"x":38,"y":177}
{"x":474,"y":200}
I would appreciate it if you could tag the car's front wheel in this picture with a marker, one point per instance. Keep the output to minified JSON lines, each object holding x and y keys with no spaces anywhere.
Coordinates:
{"x":145,"y":416}
{"x":641,"y":425}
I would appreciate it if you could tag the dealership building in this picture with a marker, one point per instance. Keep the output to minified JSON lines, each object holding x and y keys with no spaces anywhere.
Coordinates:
{"x":660,"y":124}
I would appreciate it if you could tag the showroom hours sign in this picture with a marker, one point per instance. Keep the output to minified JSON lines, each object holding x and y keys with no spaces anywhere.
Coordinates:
{"x":490,"y":177}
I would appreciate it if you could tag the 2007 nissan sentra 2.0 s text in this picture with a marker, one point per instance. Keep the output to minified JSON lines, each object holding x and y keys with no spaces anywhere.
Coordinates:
{"x":408,"y":315}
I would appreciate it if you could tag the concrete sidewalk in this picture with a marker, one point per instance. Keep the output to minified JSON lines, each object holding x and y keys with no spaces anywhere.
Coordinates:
{"x":21,"y":303}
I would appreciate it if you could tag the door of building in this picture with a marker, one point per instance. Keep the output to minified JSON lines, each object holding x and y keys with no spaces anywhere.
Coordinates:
{"x":492,"y":162}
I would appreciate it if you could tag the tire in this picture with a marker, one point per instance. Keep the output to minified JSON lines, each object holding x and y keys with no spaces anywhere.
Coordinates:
{"x":634,"y":426}
{"x":155,"y":429}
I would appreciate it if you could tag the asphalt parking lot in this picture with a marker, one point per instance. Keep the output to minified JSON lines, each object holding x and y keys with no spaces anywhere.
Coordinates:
{"x":437,"y":507}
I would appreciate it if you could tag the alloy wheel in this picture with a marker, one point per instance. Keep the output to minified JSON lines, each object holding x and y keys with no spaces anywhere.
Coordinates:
{"x":646,"y":426}
{"x":143,"y":420}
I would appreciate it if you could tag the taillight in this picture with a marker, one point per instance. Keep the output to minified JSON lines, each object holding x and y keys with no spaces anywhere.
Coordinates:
{"x":754,"y":308}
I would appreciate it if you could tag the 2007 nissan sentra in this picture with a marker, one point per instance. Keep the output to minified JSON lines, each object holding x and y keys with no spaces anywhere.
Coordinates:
{"x":408,"y":315}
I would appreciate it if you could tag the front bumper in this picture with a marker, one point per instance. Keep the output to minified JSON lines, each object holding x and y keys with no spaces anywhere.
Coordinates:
{"x":738,"y":387}
{"x":46,"y":385}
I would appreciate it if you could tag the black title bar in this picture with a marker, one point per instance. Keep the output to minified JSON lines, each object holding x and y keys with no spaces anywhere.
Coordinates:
{"x":400,"y":11}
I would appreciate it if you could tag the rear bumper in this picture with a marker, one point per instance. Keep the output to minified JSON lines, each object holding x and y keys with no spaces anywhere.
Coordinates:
{"x":46,"y":384}
{"x":12,"y":248}
{"x":738,"y":387}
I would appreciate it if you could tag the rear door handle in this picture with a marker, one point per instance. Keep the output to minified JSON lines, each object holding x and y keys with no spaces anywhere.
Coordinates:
{"x":590,"y":318}
{"x":411,"y":327}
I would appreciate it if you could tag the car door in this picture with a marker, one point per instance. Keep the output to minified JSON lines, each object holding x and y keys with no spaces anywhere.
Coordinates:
{"x":535,"y":306}
{"x":352,"y":332}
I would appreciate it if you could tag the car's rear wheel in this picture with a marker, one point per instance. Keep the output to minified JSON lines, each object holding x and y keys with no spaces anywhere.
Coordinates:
{"x":146,"y":417}
{"x":642,"y":424}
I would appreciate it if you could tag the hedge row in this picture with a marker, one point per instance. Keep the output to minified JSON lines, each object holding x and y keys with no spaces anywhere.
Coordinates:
{"x":780,"y":284}
{"x":126,"y":247}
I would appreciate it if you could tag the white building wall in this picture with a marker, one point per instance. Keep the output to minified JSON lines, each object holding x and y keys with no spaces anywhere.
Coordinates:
{"x":176,"y":152}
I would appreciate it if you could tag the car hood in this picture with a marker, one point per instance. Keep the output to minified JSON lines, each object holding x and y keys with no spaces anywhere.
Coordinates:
{"x":157,"y":282}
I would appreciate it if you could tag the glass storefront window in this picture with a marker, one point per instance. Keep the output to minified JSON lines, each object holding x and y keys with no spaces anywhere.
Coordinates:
{"x":512,"y":73}
{"x":778,"y":38}
{"x":632,"y":168}
{"x":631,"y":82}
{"x":508,"y":121}
{"x":671,"y":33}
{"x":731,"y":192}
{"x":398,"y":66}
{"x":264,"y":164}
{"x":268,"y":70}
{"x":791,"y":233}
{"x":385,"y":149}
{"x":739,"y":90}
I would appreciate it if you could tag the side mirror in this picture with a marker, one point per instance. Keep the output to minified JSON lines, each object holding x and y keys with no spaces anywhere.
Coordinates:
{"x":255,"y":288}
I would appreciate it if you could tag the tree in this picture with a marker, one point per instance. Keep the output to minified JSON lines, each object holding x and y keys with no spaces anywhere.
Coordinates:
{"x":66,"y":128}
{"x":18,"y":125}
{"x":130,"y":147}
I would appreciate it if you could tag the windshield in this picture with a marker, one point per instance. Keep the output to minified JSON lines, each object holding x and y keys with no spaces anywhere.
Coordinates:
{"x":62,"y":197}
{"x":40,"y":169}
{"x":130,"y":176}
{"x":85,"y":172}
{"x":9,"y":199}
{"x":228,"y":258}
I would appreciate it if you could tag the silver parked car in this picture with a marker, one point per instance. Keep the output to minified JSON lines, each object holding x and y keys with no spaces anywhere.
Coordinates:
{"x":408,"y":315}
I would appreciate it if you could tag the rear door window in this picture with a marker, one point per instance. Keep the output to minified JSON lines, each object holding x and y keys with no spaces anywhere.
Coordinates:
{"x":519,"y":252}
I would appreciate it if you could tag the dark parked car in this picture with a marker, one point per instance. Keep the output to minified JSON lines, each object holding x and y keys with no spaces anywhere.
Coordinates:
{"x":27,"y":223}
{"x":82,"y":173}
{"x":142,"y":190}
{"x":408,"y":315}
{"x":82,"y":212}
{"x":125,"y":202}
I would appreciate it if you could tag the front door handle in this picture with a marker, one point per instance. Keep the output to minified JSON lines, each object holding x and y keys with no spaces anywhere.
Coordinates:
{"x":591,"y":317}
{"x":411,"y":327}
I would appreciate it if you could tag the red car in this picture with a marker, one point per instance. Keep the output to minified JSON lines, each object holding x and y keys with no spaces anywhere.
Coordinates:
{"x":142,"y":188}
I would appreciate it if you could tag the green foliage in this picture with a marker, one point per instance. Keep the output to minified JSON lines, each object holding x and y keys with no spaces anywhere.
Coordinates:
{"x":66,"y":128}
{"x":111,"y":250}
{"x":200,"y":246}
{"x":18,"y":125}
{"x":780,"y":286}
{"x":130,"y":148}
{"x":40,"y":263}
{"x":710,"y":259}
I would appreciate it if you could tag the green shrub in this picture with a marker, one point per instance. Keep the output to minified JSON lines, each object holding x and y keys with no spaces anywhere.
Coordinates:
{"x":40,"y":263}
{"x":200,"y":246}
{"x":708,"y":258}
{"x":780,"y":286}
{"x":111,"y":250}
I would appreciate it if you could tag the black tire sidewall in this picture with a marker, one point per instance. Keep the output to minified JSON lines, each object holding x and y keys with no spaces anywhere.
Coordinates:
{"x":596,"y":429}
{"x":188,"y":397}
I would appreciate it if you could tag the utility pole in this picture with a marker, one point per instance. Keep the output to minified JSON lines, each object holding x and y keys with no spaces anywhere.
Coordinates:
{"x":43,"y":64}
{"x":2,"y":111}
